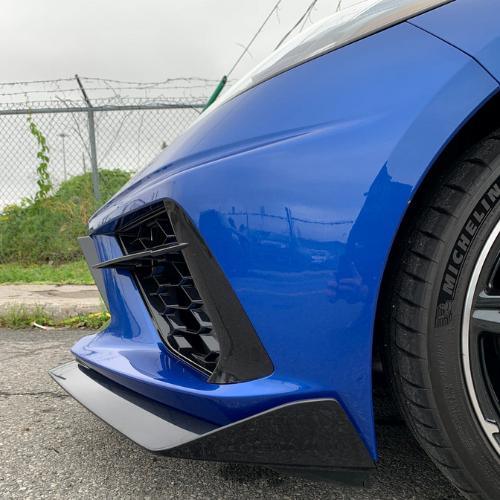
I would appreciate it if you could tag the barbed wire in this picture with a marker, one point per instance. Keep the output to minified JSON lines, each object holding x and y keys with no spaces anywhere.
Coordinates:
{"x":129,"y":132}
{"x":88,"y":78}
{"x":103,"y":90}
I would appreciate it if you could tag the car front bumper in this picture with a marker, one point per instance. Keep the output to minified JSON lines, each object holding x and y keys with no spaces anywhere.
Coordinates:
{"x":313,"y":439}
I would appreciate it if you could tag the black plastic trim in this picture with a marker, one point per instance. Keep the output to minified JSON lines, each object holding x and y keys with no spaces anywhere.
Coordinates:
{"x":90,"y":255}
{"x":153,"y":255}
{"x":242,"y":355}
{"x":133,"y":260}
{"x":314,"y":439}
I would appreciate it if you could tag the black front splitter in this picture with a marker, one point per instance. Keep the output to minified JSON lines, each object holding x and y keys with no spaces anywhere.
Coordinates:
{"x":313,"y":439}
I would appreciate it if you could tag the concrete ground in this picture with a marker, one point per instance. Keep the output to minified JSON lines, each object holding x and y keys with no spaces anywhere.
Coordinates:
{"x":59,"y":301}
{"x":51,"y":447}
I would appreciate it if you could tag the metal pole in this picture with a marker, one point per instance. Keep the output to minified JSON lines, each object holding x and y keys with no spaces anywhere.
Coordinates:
{"x":93,"y":149}
{"x":93,"y":154}
{"x":63,"y":136}
{"x":137,"y":107}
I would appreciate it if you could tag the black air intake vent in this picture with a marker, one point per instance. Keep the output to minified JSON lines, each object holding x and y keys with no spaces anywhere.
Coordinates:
{"x":168,"y":288}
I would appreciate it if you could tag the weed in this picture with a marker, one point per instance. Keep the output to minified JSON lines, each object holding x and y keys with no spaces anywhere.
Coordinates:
{"x":94,"y":321}
{"x":46,"y":230}
{"x":44,"y":182}
{"x":17,"y":317}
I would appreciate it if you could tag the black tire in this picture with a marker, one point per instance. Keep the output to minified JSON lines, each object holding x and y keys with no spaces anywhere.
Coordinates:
{"x":423,"y":319}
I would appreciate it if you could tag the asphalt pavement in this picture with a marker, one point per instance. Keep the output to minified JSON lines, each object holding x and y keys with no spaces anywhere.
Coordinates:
{"x":51,"y":447}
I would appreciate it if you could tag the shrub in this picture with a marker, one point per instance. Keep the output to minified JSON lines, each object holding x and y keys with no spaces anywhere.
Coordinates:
{"x":44,"y":230}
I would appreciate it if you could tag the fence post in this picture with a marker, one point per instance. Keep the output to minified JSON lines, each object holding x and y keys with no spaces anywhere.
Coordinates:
{"x":93,"y":154}
{"x":93,"y":149}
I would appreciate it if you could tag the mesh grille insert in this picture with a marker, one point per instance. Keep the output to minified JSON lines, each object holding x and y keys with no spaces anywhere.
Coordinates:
{"x":169,"y":290}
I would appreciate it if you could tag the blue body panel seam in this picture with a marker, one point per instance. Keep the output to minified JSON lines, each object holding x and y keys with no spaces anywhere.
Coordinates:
{"x":456,"y":47}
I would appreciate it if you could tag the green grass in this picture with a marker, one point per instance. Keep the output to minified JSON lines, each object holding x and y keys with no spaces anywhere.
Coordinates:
{"x":17,"y":317}
{"x":76,"y":273}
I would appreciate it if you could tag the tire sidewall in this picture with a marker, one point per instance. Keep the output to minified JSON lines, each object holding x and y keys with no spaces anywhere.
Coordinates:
{"x":444,"y":335}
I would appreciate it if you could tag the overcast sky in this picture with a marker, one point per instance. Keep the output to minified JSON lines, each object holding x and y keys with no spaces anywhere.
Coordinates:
{"x":127,"y":40}
{"x":148,"y":40}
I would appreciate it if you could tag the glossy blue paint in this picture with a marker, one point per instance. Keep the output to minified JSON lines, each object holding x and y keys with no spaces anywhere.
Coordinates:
{"x":471,"y":26}
{"x":298,"y":187}
{"x":130,"y":352}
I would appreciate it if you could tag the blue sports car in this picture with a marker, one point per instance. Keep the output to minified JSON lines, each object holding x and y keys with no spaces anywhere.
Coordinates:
{"x":338,"y":205}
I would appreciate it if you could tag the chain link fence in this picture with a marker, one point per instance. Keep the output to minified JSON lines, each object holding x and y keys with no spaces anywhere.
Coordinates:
{"x":124,"y":137}
{"x":95,"y":146}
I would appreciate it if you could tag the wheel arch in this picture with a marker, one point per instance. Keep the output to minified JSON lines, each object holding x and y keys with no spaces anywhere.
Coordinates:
{"x":479,"y":124}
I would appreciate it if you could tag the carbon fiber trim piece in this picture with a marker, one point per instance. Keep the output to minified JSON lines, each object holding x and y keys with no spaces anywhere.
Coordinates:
{"x":312,"y":438}
{"x":242,"y":355}
{"x":314,"y":433}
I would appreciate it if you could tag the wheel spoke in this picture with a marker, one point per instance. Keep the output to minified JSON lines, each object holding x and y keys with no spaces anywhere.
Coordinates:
{"x":487,"y":301}
{"x":485,"y":320}
{"x":483,"y":324}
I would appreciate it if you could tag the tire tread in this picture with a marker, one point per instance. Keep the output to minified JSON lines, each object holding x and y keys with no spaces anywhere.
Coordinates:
{"x":406,"y":313}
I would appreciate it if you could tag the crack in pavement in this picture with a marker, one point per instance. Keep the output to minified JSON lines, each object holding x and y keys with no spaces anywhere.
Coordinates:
{"x":28,"y":353}
{"x":41,"y":393}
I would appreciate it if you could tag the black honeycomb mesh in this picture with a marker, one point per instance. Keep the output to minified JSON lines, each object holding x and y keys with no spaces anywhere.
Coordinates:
{"x":169,"y":290}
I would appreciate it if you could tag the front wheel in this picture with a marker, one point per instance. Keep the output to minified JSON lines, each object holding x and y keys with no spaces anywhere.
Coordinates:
{"x":442,"y":323}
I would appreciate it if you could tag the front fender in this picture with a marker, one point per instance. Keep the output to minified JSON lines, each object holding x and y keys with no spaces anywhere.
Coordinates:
{"x":298,"y":187}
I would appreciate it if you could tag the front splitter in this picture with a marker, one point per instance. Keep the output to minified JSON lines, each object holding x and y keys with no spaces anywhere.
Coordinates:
{"x":313,"y":439}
